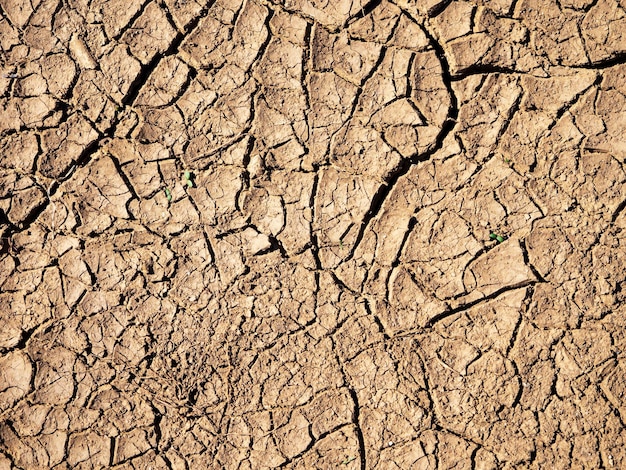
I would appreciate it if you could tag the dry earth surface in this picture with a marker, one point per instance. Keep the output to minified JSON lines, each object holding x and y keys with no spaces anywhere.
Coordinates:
{"x":321,"y":289}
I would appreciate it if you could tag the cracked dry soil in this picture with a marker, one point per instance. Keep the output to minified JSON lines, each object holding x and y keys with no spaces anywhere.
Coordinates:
{"x":326,"y":292}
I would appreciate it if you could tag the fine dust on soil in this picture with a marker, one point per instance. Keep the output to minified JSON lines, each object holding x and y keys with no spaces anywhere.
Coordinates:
{"x":324,"y":290}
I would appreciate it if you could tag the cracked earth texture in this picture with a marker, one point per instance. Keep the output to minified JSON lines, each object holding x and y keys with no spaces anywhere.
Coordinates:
{"x":325,"y":292}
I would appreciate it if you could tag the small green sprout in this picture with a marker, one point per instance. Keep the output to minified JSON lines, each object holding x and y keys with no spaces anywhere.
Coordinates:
{"x":498,"y":238}
{"x":188,"y":178}
{"x":168,"y":194}
{"x":348,"y":460}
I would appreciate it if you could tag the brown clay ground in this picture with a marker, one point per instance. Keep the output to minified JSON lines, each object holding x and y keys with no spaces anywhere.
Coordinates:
{"x":327,"y":294}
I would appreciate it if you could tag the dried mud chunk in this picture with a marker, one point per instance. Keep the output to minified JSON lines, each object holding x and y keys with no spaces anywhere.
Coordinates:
{"x":553,"y":306}
{"x":30,"y":420}
{"x":133,"y":444}
{"x":10,"y":304}
{"x":502,"y":267}
{"x":299,"y":375}
{"x":552,"y":94}
{"x":81,"y":54}
{"x":322,"y":48}
{"x":217,"y":197}
{"x":332,"y":450}
{"x":106,"y":190}
{"x":228,"y":259}
{"x":91,"y":96}
{"x":88,"y":450}
{"x":571,"y":423}
{"x":549,"y":248}
{"x":331,"y":102}
{"x":275,"y":127}
{"x":64,"y":146}
{"x":455,"y":21}
{"x":487,"y":114}
{"x":8,"y":39}
{"x":59,"y":72}
{"x":341,"y":203}
{"x":387,"y":414}
{"x":328,"y":411}
{"x":103,"y":332}
{"x":292,"y":218}
{"x":195,"y":287}
{"x":117,"y":14}
{"x":289,"y":27}
{"x":32,"y":84}
{"x":358,"y":333}
{"x":25,"y":196}
{"x":354,"y":60}
{"x":469,"y":389}
{"x":392,"y":224}
{"x":468,"y":51}
{"x":264,"y":449}
{"x":18,"y":151}
{"x":54,"y":379}
{"x":45,"y":303}
{"x":10,"y":116}
{"x":411,"y":304}
{"x":203,"y":47}
{"x":18,"y":11}
{"x":15,"y":378}
{"x":555,"y":31}
{"x":43,"y":451}
{"x":429,"y":91}
{"x":332,"y":14}
{"x":141,"y":164}
{"x":255,"y":242}
{"x":580,"y":352}
{"x":152,"y":211}
{"x":121,"y":412}
{"x":162,"y":125}
{"x":288,"y":156}
{"x":603,"y":30}
{"x":151,"y":34}
{"x":108,"y":266}
{"x":192,"y":246}
{"x":411,"y":454}
{"x":131,"y":346}
{"x":26,"y":281}
{"x":512,"y":437}
{"x":489,"y":325}
{"x":602,"y":190}
{"x":281,"y":65}
{"x":164,"y":84}
{"x":437,"y":251}
{"x":361,"y":151}
{"x":120,"y":70}
{"x":293,"y":437}
{"x":33,"y":112}
{"x":183,"y":12}
{"x":249,"y":34}
{"x":613,"y":387}
{"x":223,"y":123}
{"x":607,"y":280}
{"x":378,"y":25}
